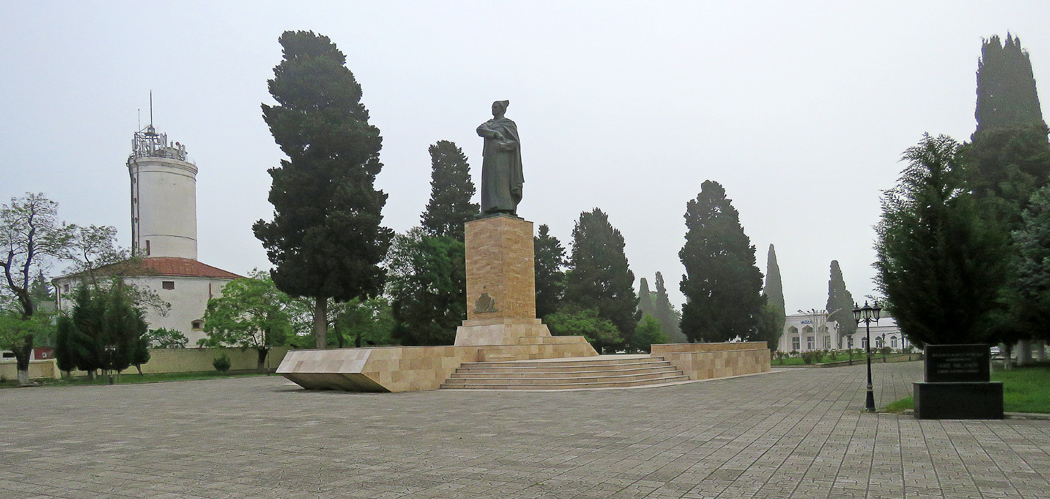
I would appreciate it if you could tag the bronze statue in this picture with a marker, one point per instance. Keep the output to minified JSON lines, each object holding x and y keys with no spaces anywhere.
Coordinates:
{"x":501,"y":177}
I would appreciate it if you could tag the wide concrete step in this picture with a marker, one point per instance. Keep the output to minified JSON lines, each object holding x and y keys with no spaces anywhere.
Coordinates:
{"x":571,"y":373}
{"x":566,"y":370}
{"x":503,"y":384}
{"x":603,"y":360}
{"x":574,"y":373}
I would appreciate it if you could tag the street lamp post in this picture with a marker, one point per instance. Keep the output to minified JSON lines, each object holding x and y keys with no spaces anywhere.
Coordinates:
{"x":867,"y":314}
{"x":110,"y":350}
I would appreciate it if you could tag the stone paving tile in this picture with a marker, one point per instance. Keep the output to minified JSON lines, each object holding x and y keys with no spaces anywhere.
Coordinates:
{"x":797,"y":433}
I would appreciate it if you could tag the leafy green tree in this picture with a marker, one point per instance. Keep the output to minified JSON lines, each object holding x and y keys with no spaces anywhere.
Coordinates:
{"x":599,"y":276}
{"x":648,"y":333}
{"x":571,"y":320}
{"x":251,"y":313}
{"x":550,"y":271}
{"x":30,"y":234}
{"x":774,"y":312}
{"x":670,"y":318}
{"x":937,"y":259}
{"x":451,"y":188}
{"x":166,"y":338}
{"x":1028,"y":296}
{"x":722,"y":284}
{"x":367,"y":323}
{"x":93,"y":247}
{"x":840,"y":302}
{"x":425,"y":276}
{"x":325,"y":239}
{"x":1006,"y":92}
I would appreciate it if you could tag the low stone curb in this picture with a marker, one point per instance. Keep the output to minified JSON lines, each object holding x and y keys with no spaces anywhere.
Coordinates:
{"x":1006,"y":415}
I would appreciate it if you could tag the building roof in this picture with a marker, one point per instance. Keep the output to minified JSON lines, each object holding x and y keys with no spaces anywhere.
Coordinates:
{"x":162,"y":266}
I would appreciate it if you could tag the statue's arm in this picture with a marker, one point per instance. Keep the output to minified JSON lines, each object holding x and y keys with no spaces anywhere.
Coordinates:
{"x":488,"y":132}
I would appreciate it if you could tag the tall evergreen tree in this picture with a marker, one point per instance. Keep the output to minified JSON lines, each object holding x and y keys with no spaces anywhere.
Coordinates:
{"x":1006,"y":93}
{"x":1006,"y":163}
{"x":645,"y":299}
{"x":774,"y":311}
{"x":451,"y":188}
{"x":938,"y":261}
{"x":123,"y":327}
{"x":666,"y":313}
{"x":599,"y":276}
{"x":840,"y":302}
{"x":550,"y":271}
{"x":722,"y":285}
{"x":325,"y":240}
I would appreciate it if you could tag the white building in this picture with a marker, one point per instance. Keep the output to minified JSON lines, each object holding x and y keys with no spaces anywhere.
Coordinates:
{"x":813,"y":331}
{"x":163,"y":237}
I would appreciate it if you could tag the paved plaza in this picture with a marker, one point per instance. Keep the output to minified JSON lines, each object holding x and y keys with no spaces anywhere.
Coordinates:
{"x":791,"y":433}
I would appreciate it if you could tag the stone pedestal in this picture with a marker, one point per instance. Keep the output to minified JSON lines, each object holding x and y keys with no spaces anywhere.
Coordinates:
{"x":957,"y":384}
{"x":501,"y":284}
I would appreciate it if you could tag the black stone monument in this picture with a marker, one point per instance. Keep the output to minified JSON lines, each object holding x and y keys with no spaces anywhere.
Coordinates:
{"x":958,"y":384}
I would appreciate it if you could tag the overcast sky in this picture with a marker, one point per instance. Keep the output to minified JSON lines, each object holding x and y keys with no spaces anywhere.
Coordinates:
{"x":799,"y":109}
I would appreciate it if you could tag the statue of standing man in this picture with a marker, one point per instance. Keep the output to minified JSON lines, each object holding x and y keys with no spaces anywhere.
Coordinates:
{"x":501,"y":177}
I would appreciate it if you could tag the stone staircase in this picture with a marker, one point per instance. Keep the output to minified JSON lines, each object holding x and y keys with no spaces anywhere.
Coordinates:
{"x":604,"y":371}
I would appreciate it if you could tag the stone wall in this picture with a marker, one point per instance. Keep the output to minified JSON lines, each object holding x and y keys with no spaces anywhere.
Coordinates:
{"x":164,"y":360}
{"x":37,"y":369}
{"x":716,"y":360}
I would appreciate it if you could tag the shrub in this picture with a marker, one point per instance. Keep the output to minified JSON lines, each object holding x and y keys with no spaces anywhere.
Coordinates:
{"x":812,"y":356}
{"x":221,"y":363}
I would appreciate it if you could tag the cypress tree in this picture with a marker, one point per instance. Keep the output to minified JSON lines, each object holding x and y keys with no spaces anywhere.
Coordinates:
{"x":666,"y":313}
{"x":774,"y":311}
{"x":645,"y":300}
{"x":840,"y":302}
{"x":722,"y":285}
{"x":451,"y":188}
{"x":325,"y":239}
{"x":599,"y":276}
{"x":1006,"y":93}
{"x":550,"y":273}
{"x":1006,"y":163}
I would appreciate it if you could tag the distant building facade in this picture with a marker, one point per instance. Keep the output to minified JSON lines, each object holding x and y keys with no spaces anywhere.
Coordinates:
{"x":804,"y":332}
{"x":163,"y":239}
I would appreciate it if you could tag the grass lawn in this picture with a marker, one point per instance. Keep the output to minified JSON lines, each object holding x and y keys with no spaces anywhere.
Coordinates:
{"x":1025,"y":389}
{"x":131,"y":377}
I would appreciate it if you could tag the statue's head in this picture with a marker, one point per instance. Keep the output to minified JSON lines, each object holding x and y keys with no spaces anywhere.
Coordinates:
{"x":499,"y":108}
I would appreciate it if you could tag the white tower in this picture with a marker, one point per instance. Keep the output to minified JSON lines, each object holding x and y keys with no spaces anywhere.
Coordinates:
{"x":163,"y":197}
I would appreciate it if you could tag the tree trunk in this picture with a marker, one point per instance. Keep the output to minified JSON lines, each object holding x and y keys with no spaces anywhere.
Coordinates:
{"x":1024,"y":352}
{"x":1040,"y":351}
{"x":261,"y":365}
{"x":1007,"y":351}
{"x":321,"y":322}
{"x":139,"y":367}
{"x":23,"y":353}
